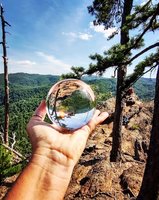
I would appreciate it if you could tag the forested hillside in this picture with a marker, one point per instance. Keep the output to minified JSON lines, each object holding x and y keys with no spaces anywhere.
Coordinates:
{"x":27,"y":90}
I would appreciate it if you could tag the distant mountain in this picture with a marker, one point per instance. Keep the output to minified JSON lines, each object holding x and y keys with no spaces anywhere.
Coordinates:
{"x":144,"y":87}
{"x":29,"y":79}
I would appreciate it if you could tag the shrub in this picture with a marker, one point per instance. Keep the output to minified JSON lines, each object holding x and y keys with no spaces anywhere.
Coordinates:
{"x":7,"y":167}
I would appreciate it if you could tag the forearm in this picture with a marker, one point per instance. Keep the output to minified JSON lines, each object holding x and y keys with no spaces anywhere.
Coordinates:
{"x":41,"y":179}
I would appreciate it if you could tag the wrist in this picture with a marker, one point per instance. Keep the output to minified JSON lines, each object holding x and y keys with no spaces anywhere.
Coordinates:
{"x":53,"y":161}
{"x":54,"y":174}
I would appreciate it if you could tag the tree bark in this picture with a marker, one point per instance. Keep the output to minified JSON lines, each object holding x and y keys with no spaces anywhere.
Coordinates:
{"x":150,"y":185}
{"x":121,"y":73}
{"x":6,"y":87}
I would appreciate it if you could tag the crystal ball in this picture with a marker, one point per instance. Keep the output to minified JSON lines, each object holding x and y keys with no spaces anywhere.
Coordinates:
{"x":70,"y":104}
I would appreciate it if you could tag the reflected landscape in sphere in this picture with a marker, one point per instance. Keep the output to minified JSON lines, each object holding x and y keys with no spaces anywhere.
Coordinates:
{"x":70,"y":104}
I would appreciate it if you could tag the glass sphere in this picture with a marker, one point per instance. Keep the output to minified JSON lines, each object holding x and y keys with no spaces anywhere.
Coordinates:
{"x":70,"y":104}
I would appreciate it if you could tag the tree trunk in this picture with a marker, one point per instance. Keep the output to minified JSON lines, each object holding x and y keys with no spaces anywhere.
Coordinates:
{"x":121,"y":73}
{"x":118,"y":118}
{"x":150,"y":184}
{"x":6,"y":98}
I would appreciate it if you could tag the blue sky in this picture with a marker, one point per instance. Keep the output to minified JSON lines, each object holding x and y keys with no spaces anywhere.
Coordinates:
{"x":48,"y":37}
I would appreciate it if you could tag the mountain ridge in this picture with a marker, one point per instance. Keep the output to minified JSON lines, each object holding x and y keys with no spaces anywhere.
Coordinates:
{"x":14,"y":76}
{"x":144,"y":87}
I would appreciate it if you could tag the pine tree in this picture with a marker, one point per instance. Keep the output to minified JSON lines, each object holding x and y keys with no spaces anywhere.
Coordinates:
{"x":110,"y":13}
{"x":121,"y":73}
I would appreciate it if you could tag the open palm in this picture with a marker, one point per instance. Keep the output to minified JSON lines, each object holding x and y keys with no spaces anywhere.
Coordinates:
{"x":62,"y":147}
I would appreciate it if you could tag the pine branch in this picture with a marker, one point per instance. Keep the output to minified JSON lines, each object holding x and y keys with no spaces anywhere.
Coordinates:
{"x":126,"y":86}
{"x":149,"y":25}
{"x":151,"y":61}
{"x":146,"y":29}
{"x":105,"y":63}
{"x":142,"y":52}
{"x":132,"y":80}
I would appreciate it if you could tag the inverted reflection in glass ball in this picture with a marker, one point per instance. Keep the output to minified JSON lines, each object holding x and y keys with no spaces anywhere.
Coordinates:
{"x":70,"y":104}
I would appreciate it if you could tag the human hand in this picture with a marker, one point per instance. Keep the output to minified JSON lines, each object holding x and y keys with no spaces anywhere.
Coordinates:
{"x":64,"y":148}
{"x":55,"y":153}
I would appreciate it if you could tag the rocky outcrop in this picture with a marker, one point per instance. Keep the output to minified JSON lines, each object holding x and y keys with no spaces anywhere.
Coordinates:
{"x":95,"y":177}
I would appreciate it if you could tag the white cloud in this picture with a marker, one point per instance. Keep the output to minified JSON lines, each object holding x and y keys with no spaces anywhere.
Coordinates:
{"x":48,"y":64}
{"x":20,"y":66}
{"x":22,"y":62}
{"x":85,"y":36}
{"x":79,"y":35}
{"x":100,"y":29}
{"x":51,"y":59}
{"x":44,"y":64}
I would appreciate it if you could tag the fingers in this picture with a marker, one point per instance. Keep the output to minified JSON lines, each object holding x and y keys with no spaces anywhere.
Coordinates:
{"x":38,"y":115}
{"x":80,"y":136}
{"x":100,"y":118}
{"x":40,"y":112}
{"x":96,"y":114}
{"x":97,"y":119}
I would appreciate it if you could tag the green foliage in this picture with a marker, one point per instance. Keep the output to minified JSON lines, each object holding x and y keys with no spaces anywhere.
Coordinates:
{"x":5,"y":158}
{"x":142,"y":16}
{"x":102,"y":97}
{"x":12,"y":170}
{"x":25,"y":98}
{"x":68,"y":75}
{"x":115,"y":56}
{"x":77,"y":73}
{"x":24,"y":79}
{"x":7,"y":168}
{"x":103,"y":89}
{"x":145,"y":88}
{"x":106,"y":12}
